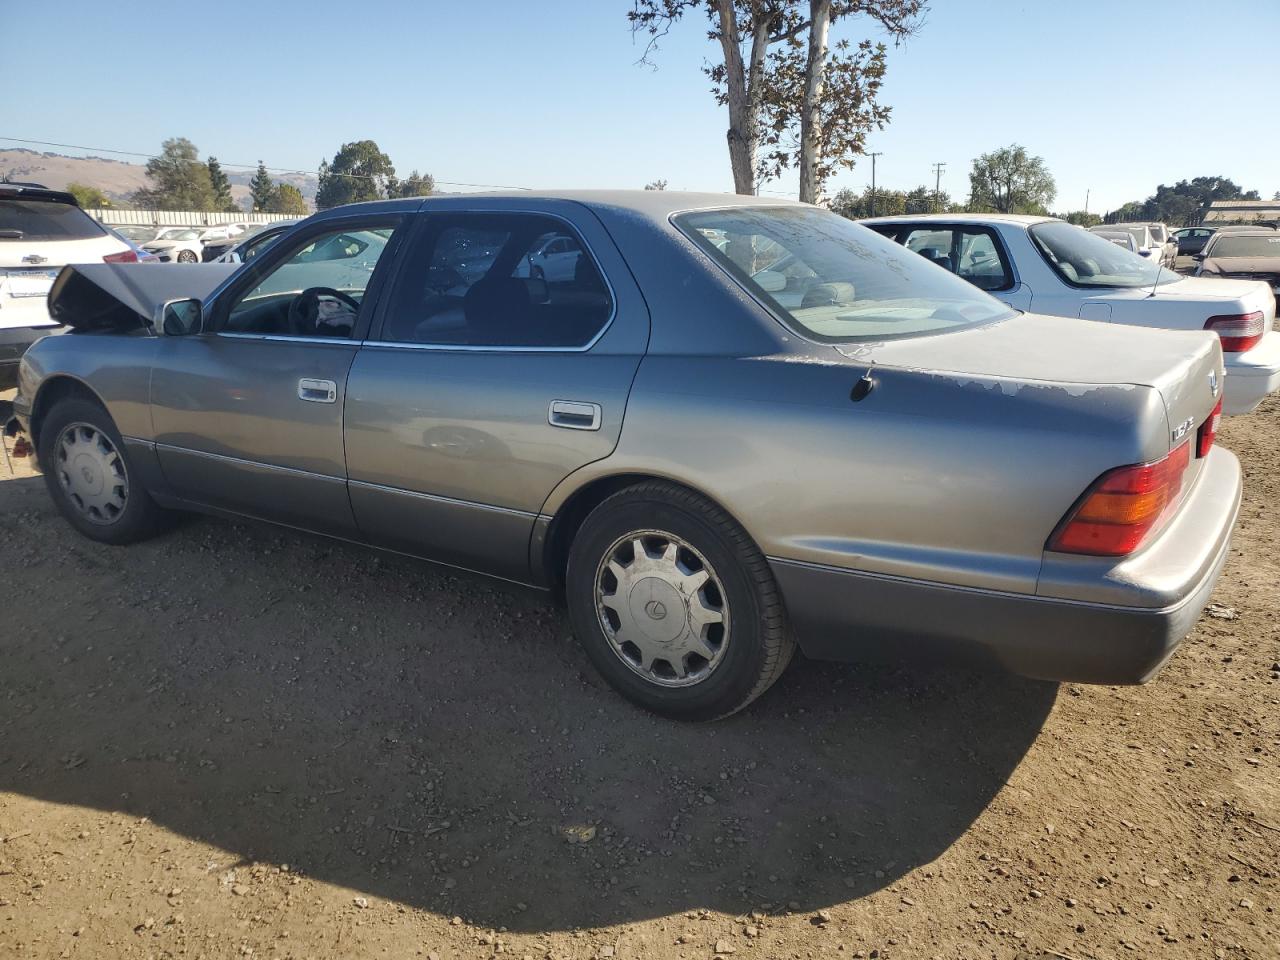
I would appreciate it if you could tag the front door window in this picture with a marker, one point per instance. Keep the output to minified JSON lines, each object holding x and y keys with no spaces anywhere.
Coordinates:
{"x":317,"y":291}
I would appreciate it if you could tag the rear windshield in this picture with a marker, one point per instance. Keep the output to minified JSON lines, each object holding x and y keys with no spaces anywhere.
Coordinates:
{"x":1084,"y":259}
{"x":834,"y":280}
{"x":1120,"y":239}
{"x":45,"y":220}
{"x":1246,"y":247}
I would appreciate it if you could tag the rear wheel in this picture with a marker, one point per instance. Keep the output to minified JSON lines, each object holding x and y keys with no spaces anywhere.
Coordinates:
{"x":675,"y":605}
{"x":88,"y":475}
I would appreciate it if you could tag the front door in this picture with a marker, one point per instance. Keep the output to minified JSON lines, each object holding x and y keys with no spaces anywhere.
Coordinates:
{"x":248,"y":414}
{"x":487,"y":383}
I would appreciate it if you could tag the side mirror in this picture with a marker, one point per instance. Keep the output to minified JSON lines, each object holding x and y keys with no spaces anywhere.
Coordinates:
{"x":179,"y":318}
{"x":1198,"y":256}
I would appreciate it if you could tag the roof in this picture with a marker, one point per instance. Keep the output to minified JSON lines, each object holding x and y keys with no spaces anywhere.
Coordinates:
{"x":959,"y":218}
{"x":1247,"y":232}
{"x":24,"y":191}
{"x":1242,"y":211}
{"x":657,"y":204}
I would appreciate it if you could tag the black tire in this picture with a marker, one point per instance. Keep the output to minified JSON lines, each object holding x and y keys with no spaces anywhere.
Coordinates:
{"x":186,"y":256}
{"x":140,"y":518}
{"x":759,"y":644}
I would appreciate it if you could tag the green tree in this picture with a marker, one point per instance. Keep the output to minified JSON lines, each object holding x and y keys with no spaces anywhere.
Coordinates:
{"x":1183,"y":203}
{"x":221,"y":186}
{"x":286,"y":198}
{"x":179,"y":181}
{"x":359,"y":171}
{"x":261,"y":188}
{"x":793,"y":96}
{"x":889,"y":203}
{"x":925,"y":199}
{"x":1081,"y":218}
{"x":1010,"y":180}
{"x":90,"y":198}
{"x":417,"y":185}
{"x":656,"y":185}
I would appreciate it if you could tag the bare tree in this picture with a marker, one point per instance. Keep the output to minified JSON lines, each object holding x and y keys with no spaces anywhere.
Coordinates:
{"x":792,"y":99}
{"x":815,"y":75}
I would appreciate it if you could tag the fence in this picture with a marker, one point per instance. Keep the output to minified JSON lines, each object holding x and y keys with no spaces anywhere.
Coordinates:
{"x":180,"y":218}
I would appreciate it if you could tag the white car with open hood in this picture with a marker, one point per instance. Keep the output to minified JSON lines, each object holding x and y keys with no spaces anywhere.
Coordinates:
{"x":41,"y":231}
{"x":1048,"y":266}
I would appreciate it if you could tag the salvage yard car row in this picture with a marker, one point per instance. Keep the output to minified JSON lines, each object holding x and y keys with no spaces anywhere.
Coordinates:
{"x":733,"y":427}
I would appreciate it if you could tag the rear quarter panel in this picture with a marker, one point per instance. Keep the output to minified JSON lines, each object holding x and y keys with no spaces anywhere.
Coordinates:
{"x":932,"y":476}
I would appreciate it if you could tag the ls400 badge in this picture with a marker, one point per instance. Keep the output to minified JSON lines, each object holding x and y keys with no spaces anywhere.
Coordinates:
{"x":1182,"y":429}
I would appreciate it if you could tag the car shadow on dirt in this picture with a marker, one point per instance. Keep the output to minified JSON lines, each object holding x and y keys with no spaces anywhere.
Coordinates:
{"x":439,"y":740}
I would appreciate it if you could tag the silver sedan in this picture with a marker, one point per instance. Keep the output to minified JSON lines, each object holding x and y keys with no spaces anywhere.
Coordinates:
{"x":732,"y":427}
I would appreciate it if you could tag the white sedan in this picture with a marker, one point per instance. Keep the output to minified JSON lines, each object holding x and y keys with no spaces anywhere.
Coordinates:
{"x":1048,"y":266}
{"x":176,"y":245}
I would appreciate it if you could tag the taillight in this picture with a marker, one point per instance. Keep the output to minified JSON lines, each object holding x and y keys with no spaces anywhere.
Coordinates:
{"x":1208,"y":431}
{"x":1123,"y":506}
{"x":124,"y":256}
{"x":1239,"y":332}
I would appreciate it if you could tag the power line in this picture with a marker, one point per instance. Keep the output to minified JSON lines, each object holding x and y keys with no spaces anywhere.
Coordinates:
{"x":245,"y":166}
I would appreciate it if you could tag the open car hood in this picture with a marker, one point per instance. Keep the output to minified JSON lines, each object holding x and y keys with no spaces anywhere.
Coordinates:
{"x":124,"y":296}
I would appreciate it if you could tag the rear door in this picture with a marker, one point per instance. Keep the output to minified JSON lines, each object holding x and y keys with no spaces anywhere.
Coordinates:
{"x":248,"y":415}
{"x":485,"y":385}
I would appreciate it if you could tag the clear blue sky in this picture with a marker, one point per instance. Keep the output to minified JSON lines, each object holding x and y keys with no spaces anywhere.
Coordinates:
{"x":1110,"y":93}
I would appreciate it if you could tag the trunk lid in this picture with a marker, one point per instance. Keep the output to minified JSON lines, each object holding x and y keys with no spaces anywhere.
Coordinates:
{"x":1184,"y":367}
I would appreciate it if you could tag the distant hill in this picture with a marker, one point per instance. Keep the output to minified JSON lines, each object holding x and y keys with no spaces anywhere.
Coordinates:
{"x":116,"y":178}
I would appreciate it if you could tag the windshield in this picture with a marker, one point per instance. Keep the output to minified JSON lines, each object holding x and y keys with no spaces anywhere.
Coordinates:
{"x":832,"y":279}
{"x":178,"y":235}
{"x":45,"y":220}
{"x":1084,"y":259}
{"x":1246,"y":246}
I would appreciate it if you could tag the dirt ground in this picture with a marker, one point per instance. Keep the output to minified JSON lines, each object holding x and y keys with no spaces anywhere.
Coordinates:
{"x":237,"y":741}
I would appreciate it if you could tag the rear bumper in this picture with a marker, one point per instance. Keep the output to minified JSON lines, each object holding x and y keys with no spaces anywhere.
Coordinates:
{"x":841,"y":614}
{"x":1251,"y":376}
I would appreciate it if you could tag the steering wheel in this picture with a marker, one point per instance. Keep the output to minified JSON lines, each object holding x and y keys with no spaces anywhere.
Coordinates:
{"x":304,"y":310}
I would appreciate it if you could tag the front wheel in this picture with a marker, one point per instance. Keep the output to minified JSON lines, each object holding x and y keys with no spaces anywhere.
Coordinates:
{"x":675,"y":605}
{"x":88,"y":474}
{"x":187,"y":256}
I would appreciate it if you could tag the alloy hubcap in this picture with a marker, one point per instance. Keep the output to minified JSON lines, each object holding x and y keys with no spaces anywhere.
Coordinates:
{"x":91,"y":473}
{"x":662,"y":608}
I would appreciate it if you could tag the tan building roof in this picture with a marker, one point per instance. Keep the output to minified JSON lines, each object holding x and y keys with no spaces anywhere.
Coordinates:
{"x":1242,"y":211}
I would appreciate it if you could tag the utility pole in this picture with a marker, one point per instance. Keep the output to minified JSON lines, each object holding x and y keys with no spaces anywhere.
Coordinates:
{"x":1086,"y":200}
{"x":937,"y":186}
{"x":873,"y":179}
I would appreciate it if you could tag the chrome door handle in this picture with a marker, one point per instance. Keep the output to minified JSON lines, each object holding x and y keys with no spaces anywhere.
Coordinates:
{"x":574,"y":415}
{"x":318,"y":391}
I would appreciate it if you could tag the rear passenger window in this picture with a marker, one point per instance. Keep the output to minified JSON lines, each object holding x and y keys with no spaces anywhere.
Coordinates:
{"x":981,"y":262}
{"x":498,"y":280}
{"x":968,"y":252}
